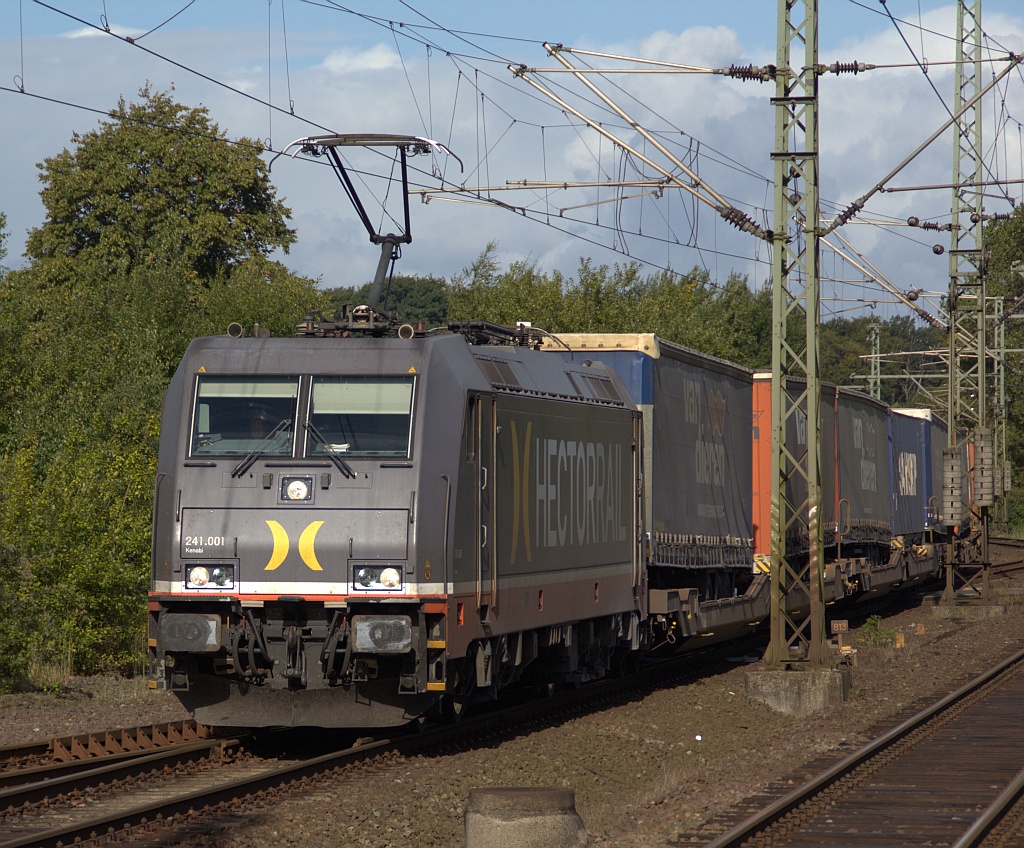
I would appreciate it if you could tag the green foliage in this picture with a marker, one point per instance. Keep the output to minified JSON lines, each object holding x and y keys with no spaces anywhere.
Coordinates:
{"x":1005,"y":243}
{"x":1014,"y":514}
{"x":877,"y":634}
{"x":90,"y":334}
{"x":414,"y":298}
{"x":158,"y":179}
{"x":844,"y":341}
{"x":257,"y":292}
{"x":732,"y":322}
{"x":482,"y":292}
{"x":3,"y":240}
{"x":17,"y":604}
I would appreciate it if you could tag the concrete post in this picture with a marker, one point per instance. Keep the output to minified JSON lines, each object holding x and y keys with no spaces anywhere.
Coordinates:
{"x":523,"y":817}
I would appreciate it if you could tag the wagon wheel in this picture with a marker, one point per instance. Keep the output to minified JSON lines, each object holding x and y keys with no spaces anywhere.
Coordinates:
{"x":547,"y":690}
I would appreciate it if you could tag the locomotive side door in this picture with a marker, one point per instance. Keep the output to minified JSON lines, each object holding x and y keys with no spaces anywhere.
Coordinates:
{"x":485,"y":437}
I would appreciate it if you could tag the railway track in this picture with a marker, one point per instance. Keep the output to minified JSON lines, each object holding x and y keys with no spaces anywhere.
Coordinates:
{"x":953,"y":774}
{"x":1007,"y":554}
{"x":191,"y":797}
{"x":109,"y":805}
{"x":56,"y":797}
{"x":189,"y":787}
{"x":83,"y":746}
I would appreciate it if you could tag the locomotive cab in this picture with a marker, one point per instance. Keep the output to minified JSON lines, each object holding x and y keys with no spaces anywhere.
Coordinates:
{"x":287,"y":555}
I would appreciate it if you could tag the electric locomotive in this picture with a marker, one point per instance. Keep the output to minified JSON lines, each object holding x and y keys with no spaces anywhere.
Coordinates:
{"x":352,"y":530}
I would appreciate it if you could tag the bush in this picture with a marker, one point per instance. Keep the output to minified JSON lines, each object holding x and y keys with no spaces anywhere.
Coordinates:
{"x":876,"y":634}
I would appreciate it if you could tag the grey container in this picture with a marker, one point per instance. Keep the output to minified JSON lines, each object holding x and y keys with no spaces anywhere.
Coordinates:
{"x":697,"y":437}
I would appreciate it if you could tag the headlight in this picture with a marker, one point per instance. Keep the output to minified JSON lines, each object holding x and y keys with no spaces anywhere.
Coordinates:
{"x":377,"y":578}
{"x":296,"y":488}
{"x":212,"y":576}
{"x":223,"y":576}
{"x":197,"y":577}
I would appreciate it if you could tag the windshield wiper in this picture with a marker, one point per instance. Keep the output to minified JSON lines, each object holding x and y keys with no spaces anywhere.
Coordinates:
{"x":339,"y":463}
{"x":257,"y":451}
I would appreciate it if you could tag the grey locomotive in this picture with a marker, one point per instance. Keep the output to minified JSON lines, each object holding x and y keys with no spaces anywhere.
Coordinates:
{"x":355,"y":531}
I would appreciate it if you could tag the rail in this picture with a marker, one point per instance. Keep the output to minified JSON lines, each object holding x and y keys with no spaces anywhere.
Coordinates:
{"x":785,"y":808}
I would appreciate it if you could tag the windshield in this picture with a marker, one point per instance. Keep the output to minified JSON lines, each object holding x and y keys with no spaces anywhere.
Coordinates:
{"x":236,"y":415}
{"x":362,"y":416}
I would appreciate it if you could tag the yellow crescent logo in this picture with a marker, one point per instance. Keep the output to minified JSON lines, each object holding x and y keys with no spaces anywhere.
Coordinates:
{"x":280,"y":545}
{"x":306,"y":541}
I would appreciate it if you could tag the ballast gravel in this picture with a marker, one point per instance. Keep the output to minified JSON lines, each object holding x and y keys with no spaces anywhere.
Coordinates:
{"x":645,"y":773}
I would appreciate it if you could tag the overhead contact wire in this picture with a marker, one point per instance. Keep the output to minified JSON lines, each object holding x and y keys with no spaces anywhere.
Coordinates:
{"x":182,"y":66}
{"x":154,"y":29}
{"x":408,"y":80}
{"x":287,"y":63}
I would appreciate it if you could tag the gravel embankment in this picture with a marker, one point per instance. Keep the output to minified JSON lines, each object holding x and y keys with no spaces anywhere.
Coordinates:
{"x":641,"y":775}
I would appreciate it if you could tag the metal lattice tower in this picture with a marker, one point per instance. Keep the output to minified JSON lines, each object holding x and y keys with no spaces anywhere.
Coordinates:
{"x":797,"y":603}
{"x":999,"y":353}
{"x":875,"y":377}
{"x":968,"y":397}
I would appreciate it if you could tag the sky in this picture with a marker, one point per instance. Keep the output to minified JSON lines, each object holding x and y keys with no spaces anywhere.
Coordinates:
{"x":280,"y":70}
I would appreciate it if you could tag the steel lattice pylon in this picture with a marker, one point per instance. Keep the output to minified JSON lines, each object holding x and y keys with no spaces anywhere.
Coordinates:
{"x":968,"y":354}
{"x":997,"y":348}
{"x":797,"y":605}
{"x":875,"y":379}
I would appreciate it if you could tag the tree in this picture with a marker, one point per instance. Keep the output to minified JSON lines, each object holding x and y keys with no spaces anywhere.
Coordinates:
{"x":1005,"y":242}
{"x":845,"y":344}
{"x":731,"y":322}
{"x":158,"y":178}
{"x":3,"y":240}
{"x":156,"y":231}
{"x":82,"y":415}
{"x":483,"y":292}
{"x":414,"y":298}
{"x":745,"y":323}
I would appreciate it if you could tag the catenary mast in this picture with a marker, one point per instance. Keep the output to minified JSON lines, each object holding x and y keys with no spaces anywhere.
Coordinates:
{"x":797,"y":605}
{"x":968,"y":353}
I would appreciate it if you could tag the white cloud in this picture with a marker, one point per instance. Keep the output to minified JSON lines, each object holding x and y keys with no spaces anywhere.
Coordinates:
{"x":380,"y":57}
{"x":701,"y":46}
{"x":345,"y":79}
{"x":92,"y":32}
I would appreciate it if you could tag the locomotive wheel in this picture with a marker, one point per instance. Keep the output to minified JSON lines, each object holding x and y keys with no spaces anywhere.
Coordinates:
{"x":625,"y":663}
{"x":455,"y":702}
{"x":453,"y":707}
